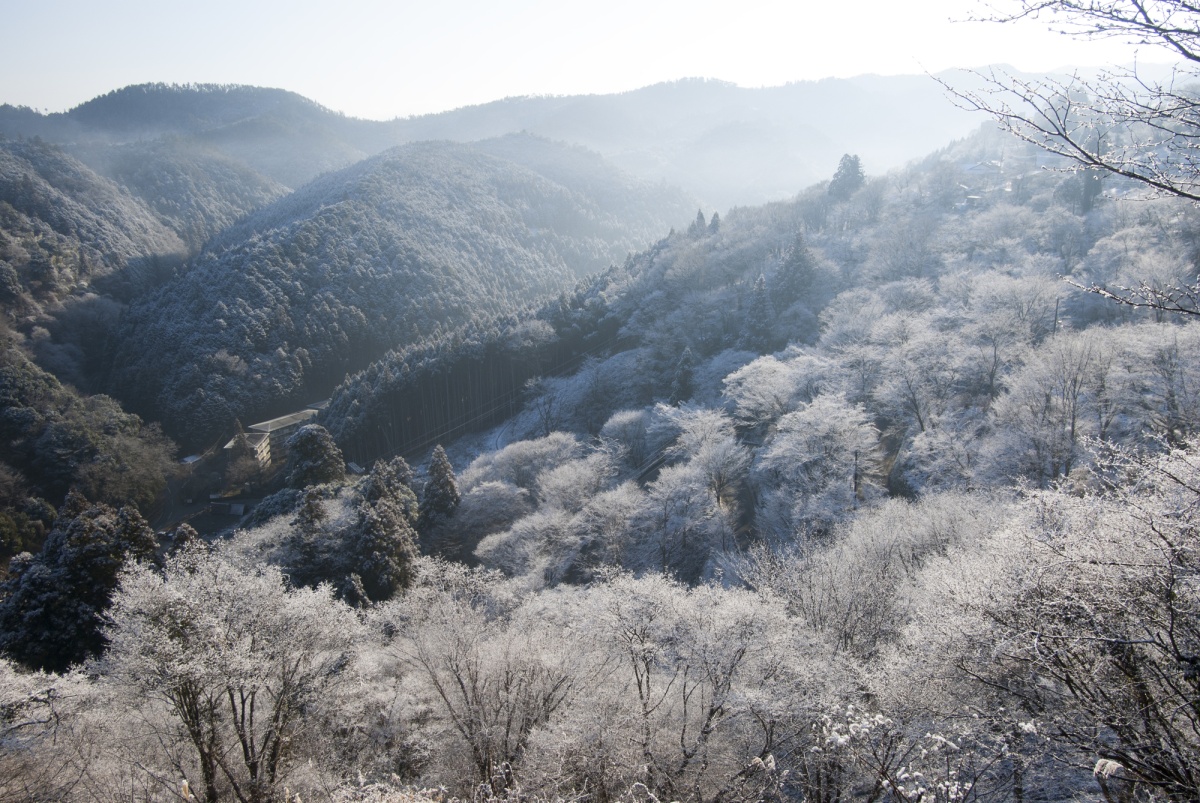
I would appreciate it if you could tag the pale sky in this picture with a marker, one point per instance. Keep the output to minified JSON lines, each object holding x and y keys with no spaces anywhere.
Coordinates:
{"x":377,"y":59}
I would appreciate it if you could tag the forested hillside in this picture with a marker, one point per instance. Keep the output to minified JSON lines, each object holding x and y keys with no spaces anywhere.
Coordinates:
{"x":721,"y":143}
{"x":781,"y":371}
{"x":55,"y":440}
{"x":195,"y":189}
{"x":400,"y":247}
{"x":726,"y":144}
{"x":877,"y":493}
{"x":63,"y":225}
{"x":271,"y":131}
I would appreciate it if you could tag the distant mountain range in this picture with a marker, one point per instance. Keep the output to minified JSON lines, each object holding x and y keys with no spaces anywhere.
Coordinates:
{"x":724,"y":144}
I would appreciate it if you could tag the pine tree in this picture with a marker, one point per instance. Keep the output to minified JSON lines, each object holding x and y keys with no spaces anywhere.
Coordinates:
{"x":698,"y":226}
{"x":714,"y":225}
{"x":383,"y":550}
{"x":848,"y":178}
{"x":308,"y":564}
{"x":313,"y":458}
{"x":794,"y":279}
{"x":760,"y":316}
{"x":391,"y":480}
{"x":441,"y":491}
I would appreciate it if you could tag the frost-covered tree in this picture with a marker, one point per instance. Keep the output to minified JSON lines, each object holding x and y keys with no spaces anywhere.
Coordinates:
{"x":822,"y":463}
{"x":681,"y":381}
{"x":521,"y":463}
{"x":53,"y":603}
{"x":793,"y":280}
{"x":489,"y":680}
{"x":382,"y":546}
{"x":758,"y":319}
{"x":440,"y":497}
{"x":243,"y":664}
{"x":40,"y":759}
{"x":1101,"y":658}
{"x":313,"y":458}
{"x":767,"y":388}
{"x":700,"y":691}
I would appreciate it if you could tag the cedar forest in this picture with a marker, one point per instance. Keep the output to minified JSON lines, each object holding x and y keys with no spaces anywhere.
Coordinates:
{"x":885,"y":489}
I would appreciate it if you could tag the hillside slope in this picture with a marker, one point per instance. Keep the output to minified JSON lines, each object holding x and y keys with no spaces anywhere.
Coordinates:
{"x":62,"y":225}
{"x":419,"y":239}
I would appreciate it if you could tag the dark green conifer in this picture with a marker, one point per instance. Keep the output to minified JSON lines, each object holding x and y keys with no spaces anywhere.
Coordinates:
{"x":759,"y":319}
{"x":848,"y":178}
{"x":53,"y":603}
{"x":681,"y":382}
{"x":794,"y":279}
{"x":441,"y":491}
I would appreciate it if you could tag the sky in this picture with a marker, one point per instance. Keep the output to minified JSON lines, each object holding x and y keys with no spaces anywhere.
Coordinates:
{"x":381,"y":59}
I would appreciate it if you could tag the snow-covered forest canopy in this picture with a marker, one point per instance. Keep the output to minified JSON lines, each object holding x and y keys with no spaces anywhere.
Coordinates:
{"x":885,"y":491}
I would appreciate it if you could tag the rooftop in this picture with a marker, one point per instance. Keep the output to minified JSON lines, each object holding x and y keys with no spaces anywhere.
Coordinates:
{"x":283,"y":421}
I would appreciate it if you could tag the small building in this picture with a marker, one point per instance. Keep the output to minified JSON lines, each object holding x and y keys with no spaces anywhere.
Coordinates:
{"x":269,"y":438}
{"x":260,"y":442}
{"x":282,"y":428}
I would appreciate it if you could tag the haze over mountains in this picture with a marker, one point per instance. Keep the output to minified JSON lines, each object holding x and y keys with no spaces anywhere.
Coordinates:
{"x":724,"y":144}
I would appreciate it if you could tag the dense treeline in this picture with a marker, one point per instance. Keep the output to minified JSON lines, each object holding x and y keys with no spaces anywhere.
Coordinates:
{"x":63,"y":225}
{"x":932,"y":347}
{"x":195,"y":189}
{"x":919,"y":650}
{"x":394,"y":250}
{"x":56,"y":440}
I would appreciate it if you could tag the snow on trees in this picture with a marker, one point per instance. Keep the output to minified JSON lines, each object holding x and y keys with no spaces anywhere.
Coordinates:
{"x":53,"y":603}
{"x":1082,"y":612}
{"x":440,"y":496}
{"x":241,"y":662}
{"x":822,"y":463}
{"x":313,"y":458}
{"x":848,"y":178}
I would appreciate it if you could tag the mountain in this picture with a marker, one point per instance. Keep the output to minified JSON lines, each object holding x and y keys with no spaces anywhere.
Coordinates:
{"x":62,"y":225}
{"x":727,"y":144}
{"x":724,"y":144}
{"x":194,"y":188}
{"x":279,"y":134}
{"x":389,"y":251}
{"x":769,"y":375}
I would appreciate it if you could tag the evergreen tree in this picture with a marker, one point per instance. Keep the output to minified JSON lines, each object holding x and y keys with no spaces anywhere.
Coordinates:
{"x":185,"y":537}
{"x":391,"y":479}
{"x":309,"y":566}
{"x":714,"y":225}
{"x":441,"y":491}
{"x":794,"y":279}
{"x":313,"y":458}
{"x":53,"y":604}
{"x":383,"y":550}
{"x":848,"y":178}
{"x":760,"y":316}
{"x":698,"y":226}
{"x":681,"y":382}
